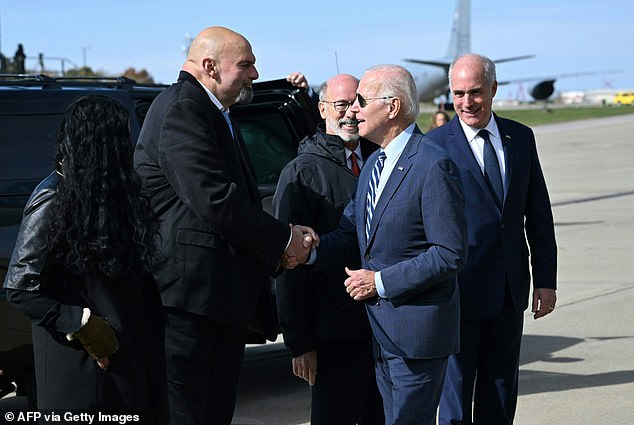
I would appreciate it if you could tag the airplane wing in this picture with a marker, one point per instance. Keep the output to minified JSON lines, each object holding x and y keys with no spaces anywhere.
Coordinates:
{"x":515,"y":58}
{"x":442,"y":64}
{"x":555,"y":77}
{"x":445,"y":64}
{"x":545,"y":86}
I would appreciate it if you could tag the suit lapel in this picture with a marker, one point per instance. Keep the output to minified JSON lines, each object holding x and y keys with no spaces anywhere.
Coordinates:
{"x":508,"y":151}
{"x":459,"y":144}
{"x":238,"y":162}
{"x":401,"y":168}
{"x":245,"y":173}
{"x":246,"y":164}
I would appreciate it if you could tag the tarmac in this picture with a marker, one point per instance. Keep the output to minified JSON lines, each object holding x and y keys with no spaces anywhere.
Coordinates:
{"x":577,"y":364}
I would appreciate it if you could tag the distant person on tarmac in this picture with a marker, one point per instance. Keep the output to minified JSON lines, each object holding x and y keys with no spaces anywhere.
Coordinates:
{"x":439,"y":118}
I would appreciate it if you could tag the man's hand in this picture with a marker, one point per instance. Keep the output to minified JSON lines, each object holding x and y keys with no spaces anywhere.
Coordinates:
{"x":305,"y":366}
{"x":303,"y":239}
{"x":298,"y":80}
{"x":544,"y":300}
{"x":360,"y":284}
{"x":313,"y":242}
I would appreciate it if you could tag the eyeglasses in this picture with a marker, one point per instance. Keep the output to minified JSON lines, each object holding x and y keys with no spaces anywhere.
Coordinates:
{"x":340,"y":105}
{"x":363,"y":102}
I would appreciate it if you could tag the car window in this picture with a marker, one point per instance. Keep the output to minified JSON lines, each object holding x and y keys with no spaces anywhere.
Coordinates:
{"x":269,"y":139}
{"x":33,"y":136}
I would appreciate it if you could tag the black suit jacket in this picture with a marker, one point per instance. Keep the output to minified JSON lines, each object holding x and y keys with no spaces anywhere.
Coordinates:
{"x":217,"y":244}
{"x":499,"y":241}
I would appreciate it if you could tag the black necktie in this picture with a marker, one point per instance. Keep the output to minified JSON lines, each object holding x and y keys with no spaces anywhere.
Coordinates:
{"x":492,"y":167}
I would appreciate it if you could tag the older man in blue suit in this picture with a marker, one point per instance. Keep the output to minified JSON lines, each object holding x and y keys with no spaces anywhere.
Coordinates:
{"x":507,"y":205}
{"x":407,"y":220}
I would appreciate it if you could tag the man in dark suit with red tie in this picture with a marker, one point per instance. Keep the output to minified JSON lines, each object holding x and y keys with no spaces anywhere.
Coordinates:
{"x":217,"y":244}
{"x":509,"y":220}
{"x":326,"y":331}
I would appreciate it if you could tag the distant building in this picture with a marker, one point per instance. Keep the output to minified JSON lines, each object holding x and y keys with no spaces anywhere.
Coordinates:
{"x":589,"y":97}
{"x":573,"y":97}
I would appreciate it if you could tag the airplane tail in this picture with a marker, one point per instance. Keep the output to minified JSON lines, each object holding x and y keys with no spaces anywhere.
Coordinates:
{"x":460,"y":41}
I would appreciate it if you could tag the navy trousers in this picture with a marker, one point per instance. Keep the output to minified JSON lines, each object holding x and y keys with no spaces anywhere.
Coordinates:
{"x":485,"y":371}
{"x":410,"y":388}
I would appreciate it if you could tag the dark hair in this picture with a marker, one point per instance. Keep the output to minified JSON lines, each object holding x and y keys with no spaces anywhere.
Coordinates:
{"x":99,"y":221}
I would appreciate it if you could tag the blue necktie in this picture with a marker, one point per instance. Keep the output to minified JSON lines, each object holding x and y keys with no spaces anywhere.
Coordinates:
{"x":492,"y":167}
{"x":228,"y":119}
{"x":370,"y":200}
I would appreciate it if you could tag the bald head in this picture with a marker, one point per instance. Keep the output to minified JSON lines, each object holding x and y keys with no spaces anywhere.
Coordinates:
{"x":336,"y":84}
{"x":214,"y":42}
{"x":222,"y":60}
{"x":476,"y":63}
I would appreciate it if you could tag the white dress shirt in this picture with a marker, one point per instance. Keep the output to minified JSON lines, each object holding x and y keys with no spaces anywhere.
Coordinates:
{"x":476,"y":143}
{"x":393,"y":152}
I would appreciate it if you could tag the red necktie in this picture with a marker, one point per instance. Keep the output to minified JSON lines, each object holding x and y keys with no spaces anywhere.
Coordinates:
{"x":354,"y":165}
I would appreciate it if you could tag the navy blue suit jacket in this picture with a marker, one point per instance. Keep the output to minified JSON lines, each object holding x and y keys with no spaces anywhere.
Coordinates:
{"x":498,"y":249}
{"x":418,"y":242}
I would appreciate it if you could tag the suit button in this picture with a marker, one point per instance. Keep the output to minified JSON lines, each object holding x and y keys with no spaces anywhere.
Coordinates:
{"x":501,"y":225}
{"x":367,"y":257}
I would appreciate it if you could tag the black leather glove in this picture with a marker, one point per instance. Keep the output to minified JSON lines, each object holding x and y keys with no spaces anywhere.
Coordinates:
{"x":98,"y":338}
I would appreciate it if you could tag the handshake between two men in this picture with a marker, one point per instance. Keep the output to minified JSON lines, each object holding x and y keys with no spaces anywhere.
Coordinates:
{"x":360,"y":284}
{"x":303,"y":240}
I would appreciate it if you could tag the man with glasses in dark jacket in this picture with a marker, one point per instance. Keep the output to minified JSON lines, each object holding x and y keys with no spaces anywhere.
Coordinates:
{"x":327,"y":332}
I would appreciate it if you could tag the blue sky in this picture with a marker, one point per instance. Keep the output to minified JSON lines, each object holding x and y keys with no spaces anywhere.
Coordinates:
{"x":111,"y":35}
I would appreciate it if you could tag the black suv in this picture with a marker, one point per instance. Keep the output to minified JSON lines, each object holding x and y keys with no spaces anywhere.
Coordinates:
{"x":31,"y":107}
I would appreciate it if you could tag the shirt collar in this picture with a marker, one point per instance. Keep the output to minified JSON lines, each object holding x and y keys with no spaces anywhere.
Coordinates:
{"x":215,"y":100}
{"x":357,"y":151}
{"x":471,"y":132}
{"x":394,"y":149}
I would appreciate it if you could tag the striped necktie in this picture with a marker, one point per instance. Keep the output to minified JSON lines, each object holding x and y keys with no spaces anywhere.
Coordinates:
{"x":370,"y":200}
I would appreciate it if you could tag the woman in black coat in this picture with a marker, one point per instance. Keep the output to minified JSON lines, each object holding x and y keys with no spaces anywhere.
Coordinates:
{"x":80,"y":272}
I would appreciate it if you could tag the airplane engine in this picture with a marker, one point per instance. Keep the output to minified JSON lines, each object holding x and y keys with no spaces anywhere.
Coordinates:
{"x":543,"y":90}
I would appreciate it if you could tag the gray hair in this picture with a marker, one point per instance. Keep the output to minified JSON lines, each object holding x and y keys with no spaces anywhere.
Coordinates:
{"x":487,"y":65}
{"x":400,"y":83}
{"x":322,"y":91}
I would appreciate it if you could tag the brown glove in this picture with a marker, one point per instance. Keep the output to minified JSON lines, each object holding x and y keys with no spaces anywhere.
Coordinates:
{"x":98,"y":338}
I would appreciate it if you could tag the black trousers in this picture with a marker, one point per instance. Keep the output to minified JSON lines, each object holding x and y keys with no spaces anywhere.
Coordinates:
{"x":204,"y":359}
{"x":345,"y":392}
